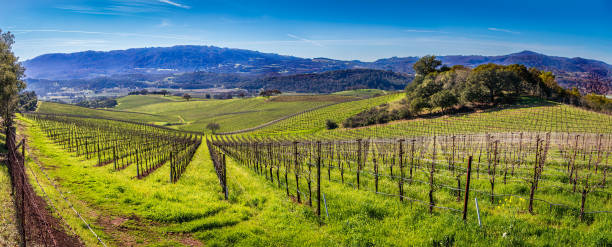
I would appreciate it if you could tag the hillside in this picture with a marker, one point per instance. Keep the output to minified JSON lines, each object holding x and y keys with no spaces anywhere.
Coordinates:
{"x":194,"y":115}
{"x":209,"y":66}
{"x":332,"y":81}
{"x":529,"y":115}
{"x":165,"y":60}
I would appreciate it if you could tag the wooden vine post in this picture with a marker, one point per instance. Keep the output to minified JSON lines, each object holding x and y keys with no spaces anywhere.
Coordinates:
{"x":225,"y":178}
{"x":467,"y":187}
{"x":536,"y":175}
{"x":358,"y":160}
{"x":432,"y":170}
{"x":137,"y":165}
{"x":296,"y":171}
{"x":375,"y":174}
{"x":319,"y":179}
{"x":401,"y":165}
{"x":115,"y":157}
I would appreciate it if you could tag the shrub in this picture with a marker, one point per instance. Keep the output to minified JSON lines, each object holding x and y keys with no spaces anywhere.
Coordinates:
{"x":213,"y":127}
{"x":418,"y":104}
{"x":331,"y":124}
{"x":444,"y":99}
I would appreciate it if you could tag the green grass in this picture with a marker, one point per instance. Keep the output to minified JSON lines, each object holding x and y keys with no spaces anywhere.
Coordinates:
{"x":132,"y":101}
{"x":8,"y":227}
{"x":362,"y":93}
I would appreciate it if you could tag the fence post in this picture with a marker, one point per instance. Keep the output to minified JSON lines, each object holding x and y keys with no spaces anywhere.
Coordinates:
{"x":224,"y":178}
{"x":23,"y":185}
{"x":319,"y":179}
{"x":467,"y":187}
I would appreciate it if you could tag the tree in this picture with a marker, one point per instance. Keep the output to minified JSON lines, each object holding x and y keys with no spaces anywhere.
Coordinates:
{"x":443,"y":99}
{"x":186,"y":97}
{"x":213,"y":127}
{"x":474,"y":93}
{"x":164,"y":92}
{"x":495,"y":79}
{"x":268,"y":93}
{"x":331,"y":124}
{"x":28,"y":101}
{"x":417,"y":105}
{"x":426,"y":65}
{"x":11,"y":73}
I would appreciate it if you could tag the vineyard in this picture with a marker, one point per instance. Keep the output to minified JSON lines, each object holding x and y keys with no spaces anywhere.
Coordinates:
{"x":194,"y":115}
{"x":537,"y":172}
{"x":539,"y":116}
{"x":313,"y":121}
{"x":555,"y":171}
{"x":121,"y":144}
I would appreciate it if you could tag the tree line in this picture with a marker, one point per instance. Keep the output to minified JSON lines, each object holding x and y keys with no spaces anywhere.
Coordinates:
{"x":443,"y":89}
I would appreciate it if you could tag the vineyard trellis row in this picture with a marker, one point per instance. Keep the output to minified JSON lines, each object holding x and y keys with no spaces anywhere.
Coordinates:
{"x":121,"y":143}
{"x":432,"y":170}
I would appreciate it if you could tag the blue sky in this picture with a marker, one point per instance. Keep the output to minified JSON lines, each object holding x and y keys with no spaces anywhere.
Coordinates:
{"x":365,"y":30}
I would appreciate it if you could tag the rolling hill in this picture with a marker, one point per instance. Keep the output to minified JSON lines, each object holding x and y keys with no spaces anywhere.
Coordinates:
{"x":209,"y":66}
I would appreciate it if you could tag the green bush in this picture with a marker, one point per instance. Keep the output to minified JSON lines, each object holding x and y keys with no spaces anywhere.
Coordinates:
{"x":331,"y":124}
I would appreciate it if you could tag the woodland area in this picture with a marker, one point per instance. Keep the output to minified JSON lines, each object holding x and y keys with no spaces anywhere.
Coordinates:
{"x":443,"y":89}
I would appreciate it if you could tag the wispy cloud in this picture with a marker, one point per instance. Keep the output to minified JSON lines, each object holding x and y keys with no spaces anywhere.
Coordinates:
{"x":305,"y":40}
{"x":502,"y":30}
{"x":123,"y":7}
{"x":164,"y":23}
{"x":177,"y":37}
{"x":175,"y":4}
{"x":423,"y":31}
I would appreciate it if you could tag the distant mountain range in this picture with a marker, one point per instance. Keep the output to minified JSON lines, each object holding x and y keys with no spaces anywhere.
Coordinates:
{"x":198,"y":62}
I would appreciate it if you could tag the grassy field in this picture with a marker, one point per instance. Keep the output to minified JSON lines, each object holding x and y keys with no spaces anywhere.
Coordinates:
{"x":132,"y":101}
{"x":362,"y":93}
{"x":194,"y":115}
